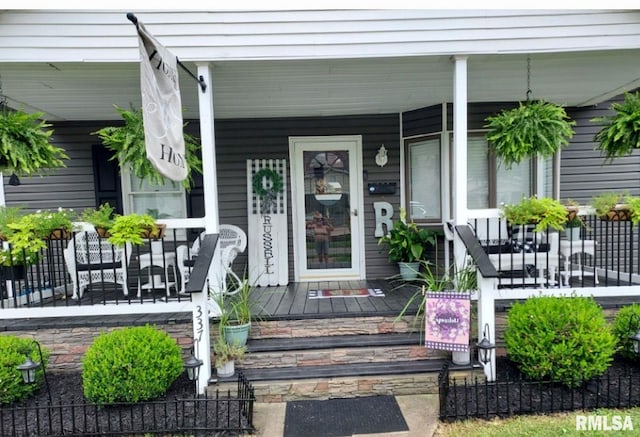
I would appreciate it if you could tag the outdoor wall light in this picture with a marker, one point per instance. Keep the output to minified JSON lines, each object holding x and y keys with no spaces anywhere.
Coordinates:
{"x":192,"y":366}
{"x":14,"y":181}
{"x":29,"y":368}
{"x":485,"y":346}
{"x":635,"y":338}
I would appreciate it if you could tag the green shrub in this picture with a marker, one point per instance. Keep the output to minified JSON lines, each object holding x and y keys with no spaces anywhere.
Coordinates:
{"x":621,"y":331}
{"x":13,"y":352}
{"x":130,"y":365}
{"x":564,"y":339}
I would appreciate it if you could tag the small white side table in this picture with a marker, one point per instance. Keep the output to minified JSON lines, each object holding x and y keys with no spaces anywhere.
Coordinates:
{"x":569,"y":248}
{"x":158,"y":259}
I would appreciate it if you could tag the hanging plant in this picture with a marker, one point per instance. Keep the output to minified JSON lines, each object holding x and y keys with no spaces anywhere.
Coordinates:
{"x":533,"y":128}
{"x":24,"y":144}
{"x":127,"y":143}
{"x":620,"y":133}
{"x":267,"y":183}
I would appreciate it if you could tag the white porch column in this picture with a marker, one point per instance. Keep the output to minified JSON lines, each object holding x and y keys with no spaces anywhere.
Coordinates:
{"x":460,"y":215}
{"x":3,"y":201}
{"x":201,"y":331}
{"x":487,"y":316}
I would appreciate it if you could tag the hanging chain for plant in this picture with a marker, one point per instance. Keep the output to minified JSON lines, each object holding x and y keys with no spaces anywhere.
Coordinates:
{"x":3,"y":99}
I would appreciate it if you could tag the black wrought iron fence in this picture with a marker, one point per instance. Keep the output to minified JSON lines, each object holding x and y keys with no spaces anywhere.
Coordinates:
{"x":198,"y":416}
{"x":473,"y":398}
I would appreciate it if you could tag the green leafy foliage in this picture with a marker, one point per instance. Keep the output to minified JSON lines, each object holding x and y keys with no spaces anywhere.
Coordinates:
{"x":564,"y":339}
{"x":8,"y":215}
{"x":533,"y":128}
{"x":130,"y":365}
{"x":101,"y":217}
{"x":127,"y":143}
{"x":13,"y":352}
{"x":225,"y":352}
{"x":544,"y":212}
{"x":620,"y":133}
{"x":131,"y":228}
{"x":406,"y":242}
{"x":24,"y":144}
{"x":625,"y":324}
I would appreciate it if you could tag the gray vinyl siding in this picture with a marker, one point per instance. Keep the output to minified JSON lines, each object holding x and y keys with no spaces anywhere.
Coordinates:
{"x":69,"y":187}
{"x":239,"y":140}
{"x":422,"y":121}
{"x":477,"y":113}
{"x":236,"y":141}
{"x":583,"y":170}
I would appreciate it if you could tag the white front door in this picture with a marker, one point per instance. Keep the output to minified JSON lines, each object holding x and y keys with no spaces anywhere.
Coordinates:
{"x":326,"y":191}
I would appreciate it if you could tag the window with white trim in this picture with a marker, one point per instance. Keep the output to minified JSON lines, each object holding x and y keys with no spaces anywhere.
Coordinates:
{"x":424,"y":176}
{"x":165,"y":201}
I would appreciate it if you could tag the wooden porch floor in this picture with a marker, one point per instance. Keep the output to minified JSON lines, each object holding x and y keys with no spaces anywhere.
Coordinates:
{"x":293,"y":301}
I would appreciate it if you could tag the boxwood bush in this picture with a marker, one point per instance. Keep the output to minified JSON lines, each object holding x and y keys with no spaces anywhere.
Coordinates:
{"x":13,"y":352}
{"x":564,"y":339}
{"x":130,"y":365}
{"x":623,"y":327}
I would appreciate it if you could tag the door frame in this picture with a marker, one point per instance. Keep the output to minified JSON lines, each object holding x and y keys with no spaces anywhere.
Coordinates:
{"x":356,"y":198}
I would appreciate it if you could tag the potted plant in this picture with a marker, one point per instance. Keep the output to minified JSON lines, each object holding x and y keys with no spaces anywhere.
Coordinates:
{"x":24,"y":144}
{"x":225,"y":356}
{"x":533,"y":128}
{"x":53,"y":224}
{"x":25,"y":244}
{"x":134,"y":228}
{"x":620,"y":132}
{"x":544,"y":212}
{"x":406,"y":243}
{"x":236,"y":312}
{"x":572,"y":228}
{"x":101,"y":218}
{"x":128,"y":145}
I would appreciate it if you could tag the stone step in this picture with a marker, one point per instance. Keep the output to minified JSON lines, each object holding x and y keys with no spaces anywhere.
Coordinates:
{"x":334,"y":326}
{"x":343,"y":381}
{"x":345,"y":349}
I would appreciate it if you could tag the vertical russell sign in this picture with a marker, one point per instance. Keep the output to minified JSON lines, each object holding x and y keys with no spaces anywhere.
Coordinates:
{"x":267,"y":216}
{"x":161,"y":107}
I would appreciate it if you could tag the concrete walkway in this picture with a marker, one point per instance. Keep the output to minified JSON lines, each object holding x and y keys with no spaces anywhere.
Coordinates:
{"x":419,"y":411}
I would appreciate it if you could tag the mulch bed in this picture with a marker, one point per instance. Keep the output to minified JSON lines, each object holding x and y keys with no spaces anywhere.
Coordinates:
{"x":70,"y":414}
{"x":513,"y":394}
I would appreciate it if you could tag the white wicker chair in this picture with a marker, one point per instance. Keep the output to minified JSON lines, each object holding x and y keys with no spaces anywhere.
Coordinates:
{"x":91,"y":259}
{"x":231,"y":242}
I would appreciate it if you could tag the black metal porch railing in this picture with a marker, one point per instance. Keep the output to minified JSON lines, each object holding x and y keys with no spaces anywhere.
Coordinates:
{"x":50,"y":281}
{"x":606,"y":254}
{"x":203,"y":415}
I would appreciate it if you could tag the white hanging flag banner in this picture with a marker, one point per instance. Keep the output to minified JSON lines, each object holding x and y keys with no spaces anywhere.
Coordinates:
{"x":161,"y":107}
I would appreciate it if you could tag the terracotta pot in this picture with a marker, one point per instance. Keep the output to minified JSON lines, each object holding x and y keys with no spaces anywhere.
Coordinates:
{"x":102,"y":232}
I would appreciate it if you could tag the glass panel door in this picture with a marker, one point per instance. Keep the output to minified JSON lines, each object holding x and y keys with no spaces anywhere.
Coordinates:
{"x":326,"y":191}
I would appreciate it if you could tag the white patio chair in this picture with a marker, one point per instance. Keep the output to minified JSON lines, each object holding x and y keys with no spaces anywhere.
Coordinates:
{"x":91,"y":259}
{"x":231,"y":238}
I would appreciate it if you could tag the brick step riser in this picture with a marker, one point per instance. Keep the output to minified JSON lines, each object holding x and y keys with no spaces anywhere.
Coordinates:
{"x":343,"y":387}
{"x":331,"y":327}
{"x":341,"y":355}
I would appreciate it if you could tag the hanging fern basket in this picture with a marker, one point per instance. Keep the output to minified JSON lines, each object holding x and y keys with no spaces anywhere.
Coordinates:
{"x":531,"y":129}
{"x":25,"y":148}
{"x":620,"y":132}
{"x":128,"y":145}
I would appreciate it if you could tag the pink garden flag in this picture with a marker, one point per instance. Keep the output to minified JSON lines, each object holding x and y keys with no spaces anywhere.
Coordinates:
{"x":447,"y":321}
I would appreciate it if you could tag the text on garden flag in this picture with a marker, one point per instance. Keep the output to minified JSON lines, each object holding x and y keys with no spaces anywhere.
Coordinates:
{"x":161,"y":107}
{"x":447,"y":321}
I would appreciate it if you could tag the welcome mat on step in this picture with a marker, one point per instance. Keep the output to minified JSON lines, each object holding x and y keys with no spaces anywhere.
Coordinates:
{"x":345,"y":292}
{"x":343,"y":417}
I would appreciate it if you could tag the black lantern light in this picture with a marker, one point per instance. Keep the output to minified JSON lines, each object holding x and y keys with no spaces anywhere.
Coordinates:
{"x":29,"y":368}
{"x":485,"y":347}
{"x":192,"y":366}
{"x":635,"y":338}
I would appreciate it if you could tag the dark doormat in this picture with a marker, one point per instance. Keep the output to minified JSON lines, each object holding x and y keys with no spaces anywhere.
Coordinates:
{"x":343,"y":417}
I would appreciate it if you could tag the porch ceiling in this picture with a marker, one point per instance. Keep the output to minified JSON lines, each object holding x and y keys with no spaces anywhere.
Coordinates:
{"x":88,"y":91}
